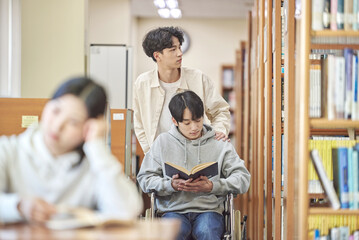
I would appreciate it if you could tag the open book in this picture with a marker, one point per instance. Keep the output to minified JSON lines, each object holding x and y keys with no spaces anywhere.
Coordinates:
{"x":81,"y":218}
{"x":208,"y":169}
{"x":324,"y":180}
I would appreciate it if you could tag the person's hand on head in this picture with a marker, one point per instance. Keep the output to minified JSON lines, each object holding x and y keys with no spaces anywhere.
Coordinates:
{"x":95,"y":128}
{"x":178,"y":183}
{"x":221,"y":136}
{"x":36,"y":210}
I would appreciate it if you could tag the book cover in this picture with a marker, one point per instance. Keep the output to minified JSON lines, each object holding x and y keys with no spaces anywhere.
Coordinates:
{"x":82,"y":218}
{"x":208,"y":169}
{"x":355,"y":174}
{"x":324,"y":180}
{"x":348,"y":55}
{"x":340,"y":175}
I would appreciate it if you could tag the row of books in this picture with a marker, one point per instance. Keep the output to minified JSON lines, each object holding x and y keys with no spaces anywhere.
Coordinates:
{"x":324,"y":145}
{"x":338,"y":167}
{"x":335,"y":14}
{"x":334,"y":86}
{"x":333,"y":227}
{"x":228,"y":77}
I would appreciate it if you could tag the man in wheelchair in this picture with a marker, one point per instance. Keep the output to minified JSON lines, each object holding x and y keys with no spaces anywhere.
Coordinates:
{"x":198,"y":203}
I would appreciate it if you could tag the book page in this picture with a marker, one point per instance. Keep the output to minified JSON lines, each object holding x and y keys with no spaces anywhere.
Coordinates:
{"x":199,"y":167}
{"x":178,"y":167}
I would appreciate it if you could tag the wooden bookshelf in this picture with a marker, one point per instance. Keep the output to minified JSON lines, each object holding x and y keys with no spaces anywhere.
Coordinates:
{"x":330,"y":211}
{"x":268,"y":117}
{"x":338,"y":33}
{"x":321,"y":123}
{"x":247,"y":206}
{"x":241,"y":116}
{"x":289,"y":120}
{"x":253,"y":214}
{"x":277,"y":118}
{"x":228,"y":92}
{"x":307,"y":126}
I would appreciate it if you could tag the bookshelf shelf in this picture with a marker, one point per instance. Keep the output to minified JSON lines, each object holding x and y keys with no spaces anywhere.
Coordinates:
{"x":333,"y":46}
{"x":330,"y":33}
{"x":331,"y":132}
{"x":321,"y":123}
{"x":316,"y":195}
{"x":330,"y":211}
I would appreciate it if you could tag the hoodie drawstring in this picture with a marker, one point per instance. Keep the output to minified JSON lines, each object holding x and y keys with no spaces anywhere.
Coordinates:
{"x":185,"y":153}
{"x":199,"y":150}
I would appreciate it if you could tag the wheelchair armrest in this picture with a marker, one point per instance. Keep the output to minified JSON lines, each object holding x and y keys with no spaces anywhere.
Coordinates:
{"x":153,"y":202}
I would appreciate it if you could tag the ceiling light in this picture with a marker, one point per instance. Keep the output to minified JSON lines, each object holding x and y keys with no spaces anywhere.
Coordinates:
{"x":168,"y":8}
{"x":176,"y":13}
{"x":171,"y":4}
{"x":164,"y":12}
{"x":159,"y":3}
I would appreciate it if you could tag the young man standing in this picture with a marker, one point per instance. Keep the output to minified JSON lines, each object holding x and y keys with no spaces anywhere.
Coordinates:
{"x":154,"y":89}
{"x":198,"y":203}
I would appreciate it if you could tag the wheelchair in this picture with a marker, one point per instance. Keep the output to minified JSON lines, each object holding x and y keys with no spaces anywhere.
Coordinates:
{"x":234,"y":228}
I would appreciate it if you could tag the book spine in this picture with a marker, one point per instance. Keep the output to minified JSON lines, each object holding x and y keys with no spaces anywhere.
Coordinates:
{"x":331,"y":106}
{"x":355,"y":112}
{"x":317,"y":14}
{"x":343,"y":175}
{"x":350,"y":179}
{"x":348,"y":56}
{"x":355,"y":15}
{"x":333,"y":14}
{"x":340,"y":86}
{"x":355,"y":180}
{"x":348,"y":15}
{"x":340,"y":14}
{"x":326,"y":14}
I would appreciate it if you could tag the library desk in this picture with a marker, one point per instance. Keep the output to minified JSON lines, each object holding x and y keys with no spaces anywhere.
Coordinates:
{"x":158,"y":229}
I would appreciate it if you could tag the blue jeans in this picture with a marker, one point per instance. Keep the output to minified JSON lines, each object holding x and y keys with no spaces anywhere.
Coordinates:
{"x":206,"y":226}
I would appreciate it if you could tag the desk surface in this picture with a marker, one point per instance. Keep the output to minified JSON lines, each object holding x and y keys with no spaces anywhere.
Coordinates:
{"x":158,"y":229}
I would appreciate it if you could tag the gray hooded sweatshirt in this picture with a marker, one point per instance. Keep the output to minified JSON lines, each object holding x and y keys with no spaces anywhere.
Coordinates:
{"x":173,"y":147}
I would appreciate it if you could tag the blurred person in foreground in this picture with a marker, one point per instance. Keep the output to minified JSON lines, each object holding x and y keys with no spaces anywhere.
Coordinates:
{"x":64,"y":161}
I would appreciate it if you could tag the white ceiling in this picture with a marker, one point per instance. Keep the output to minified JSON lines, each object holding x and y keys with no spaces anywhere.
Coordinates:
{"x":198,"y":8}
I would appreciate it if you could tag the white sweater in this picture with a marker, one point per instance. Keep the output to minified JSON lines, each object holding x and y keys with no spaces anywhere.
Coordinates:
{"x":27,"y":169}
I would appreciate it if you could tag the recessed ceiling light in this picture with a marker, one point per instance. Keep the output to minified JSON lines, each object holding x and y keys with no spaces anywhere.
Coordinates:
{"x":164,"y":13}
{"x":176,"y":13}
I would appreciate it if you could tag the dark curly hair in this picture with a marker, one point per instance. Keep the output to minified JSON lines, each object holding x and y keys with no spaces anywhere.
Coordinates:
{"x":160,"y":38}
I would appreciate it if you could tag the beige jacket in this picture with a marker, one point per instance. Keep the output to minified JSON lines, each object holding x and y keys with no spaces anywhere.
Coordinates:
{"x":149,"y":98}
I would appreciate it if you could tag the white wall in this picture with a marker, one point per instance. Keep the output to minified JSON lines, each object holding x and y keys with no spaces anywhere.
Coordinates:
{"x":213,"y":43}
{"x":53,"y":44}
{"x":109,"y":22}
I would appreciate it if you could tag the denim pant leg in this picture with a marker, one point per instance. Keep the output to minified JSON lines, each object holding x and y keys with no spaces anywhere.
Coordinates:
{"x":186,"y":228}
{"x":208,"y":226}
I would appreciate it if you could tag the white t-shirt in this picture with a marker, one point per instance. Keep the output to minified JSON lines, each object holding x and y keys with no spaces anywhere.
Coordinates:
{"x":165,"y":121}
